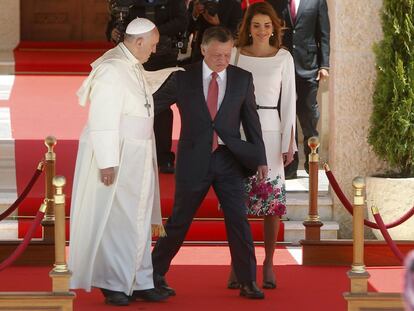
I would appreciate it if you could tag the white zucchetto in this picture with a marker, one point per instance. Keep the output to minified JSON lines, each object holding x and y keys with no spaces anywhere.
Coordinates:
{"x":139,"y":26}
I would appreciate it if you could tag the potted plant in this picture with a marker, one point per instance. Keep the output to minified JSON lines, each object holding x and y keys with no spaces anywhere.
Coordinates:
{"x":391,"y":132}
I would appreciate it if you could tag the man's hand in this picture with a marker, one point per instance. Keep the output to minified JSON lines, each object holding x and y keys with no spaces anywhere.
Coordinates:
{"x":108,"y":176}
{"x":262,"y":172}
{"x":115,"y":35}
{"x":213,"y":20}
{"x":323,"y":74}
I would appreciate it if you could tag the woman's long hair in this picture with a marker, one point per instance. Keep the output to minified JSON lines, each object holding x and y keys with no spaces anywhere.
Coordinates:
{"x":264,"y":8}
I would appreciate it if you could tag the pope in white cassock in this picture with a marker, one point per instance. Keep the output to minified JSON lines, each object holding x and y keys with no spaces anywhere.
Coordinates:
{"x":115,"y":201}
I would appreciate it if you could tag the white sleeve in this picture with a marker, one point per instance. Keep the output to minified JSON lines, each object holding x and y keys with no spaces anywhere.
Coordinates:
{"x":105,"y":111}
{"x":288,"y":103}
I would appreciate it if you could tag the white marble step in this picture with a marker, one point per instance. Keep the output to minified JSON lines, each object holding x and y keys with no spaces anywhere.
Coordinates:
{"x":295,"y":231}
{"x":7,"y":63}
{"x":298,"y":206}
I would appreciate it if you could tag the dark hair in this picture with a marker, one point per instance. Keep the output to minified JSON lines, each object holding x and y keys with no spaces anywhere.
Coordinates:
{"x":263,"y":8}
{"x":217,"y":33}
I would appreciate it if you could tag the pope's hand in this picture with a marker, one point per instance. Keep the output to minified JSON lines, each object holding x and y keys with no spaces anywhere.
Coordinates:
{"x":108,"y":176}
{"x":262,"y":172}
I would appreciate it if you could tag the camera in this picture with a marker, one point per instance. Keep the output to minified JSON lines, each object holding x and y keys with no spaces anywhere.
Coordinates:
{"x":181,"y":42}
{"x":120,"y":10}
{"x":211,"y":6}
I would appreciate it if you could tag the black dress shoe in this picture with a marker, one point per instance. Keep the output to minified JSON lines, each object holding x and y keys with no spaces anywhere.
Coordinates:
{"x":167,"y":168}
{"x":152,"y":294}
{"x":115,"y":298}
{"x":251,"y":291}
{"x":233,"y":285}
{"x":161,"y":284}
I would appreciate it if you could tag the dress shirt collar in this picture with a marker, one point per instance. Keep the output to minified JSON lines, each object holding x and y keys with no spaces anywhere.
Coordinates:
{"x":207,"y":72}
{"x":128,"y":54}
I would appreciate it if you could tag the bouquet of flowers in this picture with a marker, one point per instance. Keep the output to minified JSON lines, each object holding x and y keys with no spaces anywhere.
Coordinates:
{"x":265,"y":198}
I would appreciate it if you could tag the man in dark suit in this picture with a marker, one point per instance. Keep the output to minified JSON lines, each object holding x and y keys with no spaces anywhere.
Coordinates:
{"x":307,"y":38}
{"x":213,"y":98}
{"x":208,"y":13}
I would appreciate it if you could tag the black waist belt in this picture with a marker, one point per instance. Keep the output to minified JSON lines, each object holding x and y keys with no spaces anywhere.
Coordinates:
{"x":265,"y":107}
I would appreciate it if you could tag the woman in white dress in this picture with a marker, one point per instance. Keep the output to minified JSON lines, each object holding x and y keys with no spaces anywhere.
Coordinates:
{"x":260,"y":52}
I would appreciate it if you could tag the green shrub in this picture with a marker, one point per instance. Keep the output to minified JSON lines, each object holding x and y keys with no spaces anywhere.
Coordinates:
{"x":392,"y":122}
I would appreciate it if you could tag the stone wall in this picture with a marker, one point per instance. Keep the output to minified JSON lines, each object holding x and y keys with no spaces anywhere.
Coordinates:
{"x":9,"y":24}
{"x":356,"y":26}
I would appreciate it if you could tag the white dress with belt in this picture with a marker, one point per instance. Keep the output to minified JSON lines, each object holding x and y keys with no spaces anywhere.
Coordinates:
{"x":273,"y":77}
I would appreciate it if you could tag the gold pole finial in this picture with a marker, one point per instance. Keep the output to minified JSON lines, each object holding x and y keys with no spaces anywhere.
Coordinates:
{"x":358,"y":183}
{"x":59,"y":182}
{"x":374,"y":209}
{"x":326,"y":167}
{"x":313,"y":144}
{"x":50,"y":143}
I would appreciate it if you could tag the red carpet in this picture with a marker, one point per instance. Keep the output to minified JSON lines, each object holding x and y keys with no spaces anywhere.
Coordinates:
{"x":57,"y":57}
{"x":43,"y":105}
{"x":199,"y":276}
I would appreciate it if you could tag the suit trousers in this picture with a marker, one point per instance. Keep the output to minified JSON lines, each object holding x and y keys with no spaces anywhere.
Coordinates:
{"x":163,"y":121}
{"x":226,"y":177}
{"x":308,"y":114}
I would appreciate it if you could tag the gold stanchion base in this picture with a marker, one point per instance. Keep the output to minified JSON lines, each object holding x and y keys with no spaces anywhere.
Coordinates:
{"x":359,"y":281}
{"x":37,"y":301}
{"x":60,"y":281}
{"x":374,"y":301}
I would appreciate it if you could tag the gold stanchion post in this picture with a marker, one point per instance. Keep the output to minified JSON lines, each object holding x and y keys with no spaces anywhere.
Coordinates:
{"x":312,"y":223}
{"x":50,"y":168}
{"x":358,"y":275}
{"x":60,"y":274}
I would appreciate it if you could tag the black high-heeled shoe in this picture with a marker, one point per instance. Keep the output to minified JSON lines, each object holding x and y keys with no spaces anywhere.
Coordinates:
{"x":269,"y":284}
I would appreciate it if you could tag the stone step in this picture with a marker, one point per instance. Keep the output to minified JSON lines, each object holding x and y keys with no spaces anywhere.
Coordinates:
{"x":298,"y":206}
{"x":7,"y":165}
{"x":8,"y":230}
{"x":295,"y":231}
{"x":7,"y":63}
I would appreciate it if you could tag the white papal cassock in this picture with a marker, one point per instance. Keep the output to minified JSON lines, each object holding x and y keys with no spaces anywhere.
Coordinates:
{"x":110,"y":232}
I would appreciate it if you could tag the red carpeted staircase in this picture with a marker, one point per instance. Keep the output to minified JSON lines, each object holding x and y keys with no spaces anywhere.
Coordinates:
{"x":45,"y":104}
{"x":57,"y":57}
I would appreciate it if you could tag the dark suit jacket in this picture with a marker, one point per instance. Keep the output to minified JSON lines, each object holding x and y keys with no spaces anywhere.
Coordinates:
{"x":308,"y":38}
{"x":185,"y":88}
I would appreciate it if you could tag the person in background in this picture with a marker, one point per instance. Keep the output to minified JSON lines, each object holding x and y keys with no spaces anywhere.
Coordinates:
{"x":170,"y":17}
{"x":307,"y":38}
{"x":208,"y":13}
{"x":259,"y":50}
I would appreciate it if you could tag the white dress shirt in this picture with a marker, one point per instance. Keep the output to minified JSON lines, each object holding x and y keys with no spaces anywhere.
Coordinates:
{"x":221,"y":81}
{"x":297,"y":2}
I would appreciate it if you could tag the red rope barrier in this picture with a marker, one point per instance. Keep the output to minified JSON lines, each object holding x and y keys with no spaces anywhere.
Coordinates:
{"x":344,"y":200}
{"x":387,"y":237}
{"x":22,"y":247}
{"x":25,"y":192}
